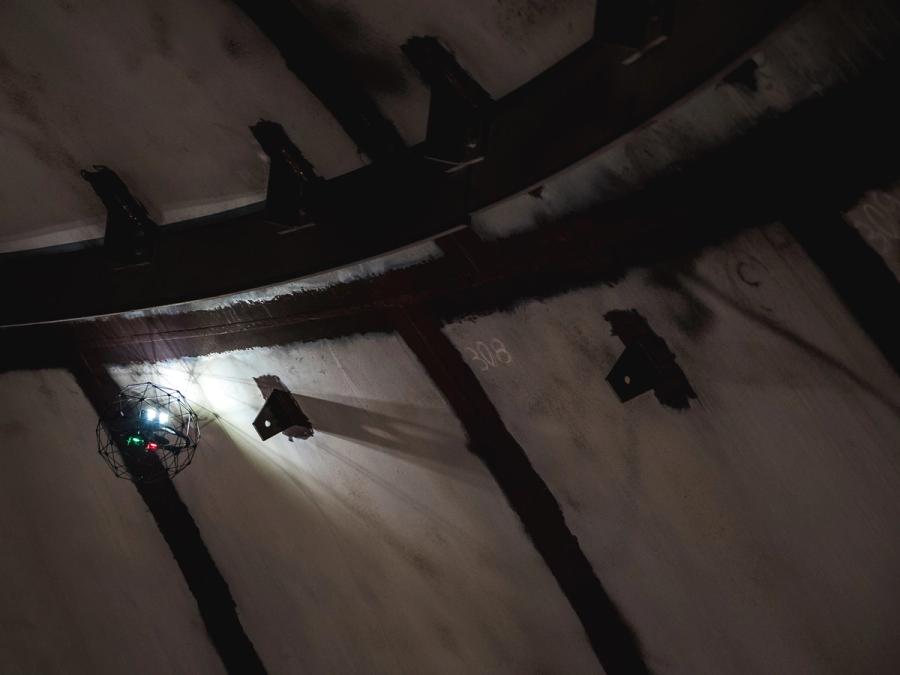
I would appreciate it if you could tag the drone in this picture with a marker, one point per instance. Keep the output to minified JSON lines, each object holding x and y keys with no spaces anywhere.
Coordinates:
{"x":147,"y":432}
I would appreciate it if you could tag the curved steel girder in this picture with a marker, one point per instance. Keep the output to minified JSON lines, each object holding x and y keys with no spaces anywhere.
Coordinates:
{"x":583,"y":103}
{"x":793,"y":168}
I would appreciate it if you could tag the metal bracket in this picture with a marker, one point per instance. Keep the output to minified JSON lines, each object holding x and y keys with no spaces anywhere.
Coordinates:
{"x":130,"y":236}
{"x":634,"y":373}
{"x":292,"y":179}
{"x":282,"y":414}
{"x":459,"y":117}
{"x":646,"y":364}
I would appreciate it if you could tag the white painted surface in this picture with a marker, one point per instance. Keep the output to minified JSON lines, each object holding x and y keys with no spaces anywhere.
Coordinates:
{"x":162,"y":91}
{"x":756,"y":532}
{"x":379,"y":545}
{"x":87,"y":583}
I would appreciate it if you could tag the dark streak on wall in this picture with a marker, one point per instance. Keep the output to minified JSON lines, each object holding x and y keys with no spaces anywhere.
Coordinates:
{"x":856,"y":272}
{"x":324,"y":71}
{"x":210,"y":590}
{"x":612,"y":639}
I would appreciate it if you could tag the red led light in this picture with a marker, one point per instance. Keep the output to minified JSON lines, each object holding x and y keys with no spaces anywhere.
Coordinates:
{"x":151,"y":446}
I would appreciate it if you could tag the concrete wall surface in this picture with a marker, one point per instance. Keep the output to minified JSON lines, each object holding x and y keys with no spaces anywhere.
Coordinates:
{"x":87,"y":583}
{"x":378,"y":545}
{"x":756,"y":532}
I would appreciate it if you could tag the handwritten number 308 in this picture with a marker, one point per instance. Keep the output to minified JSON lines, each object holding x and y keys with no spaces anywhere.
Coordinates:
{"x":490,"y":355}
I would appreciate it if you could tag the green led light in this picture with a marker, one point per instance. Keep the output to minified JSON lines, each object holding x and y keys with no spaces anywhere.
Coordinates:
{"x":134,"y":440}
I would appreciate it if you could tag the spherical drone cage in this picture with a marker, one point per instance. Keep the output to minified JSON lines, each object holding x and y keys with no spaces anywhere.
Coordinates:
{"x":147,"y":432}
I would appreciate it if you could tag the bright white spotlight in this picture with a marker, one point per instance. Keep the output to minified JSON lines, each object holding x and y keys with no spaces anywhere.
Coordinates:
{"x":163,"y":417}
{"x":151,"y":414}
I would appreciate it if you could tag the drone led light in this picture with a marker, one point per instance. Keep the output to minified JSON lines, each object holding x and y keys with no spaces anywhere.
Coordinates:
{"x":147,"y":432}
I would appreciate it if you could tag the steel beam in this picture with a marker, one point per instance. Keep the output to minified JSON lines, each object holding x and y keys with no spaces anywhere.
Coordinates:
{"x":324,"y":72}
{"x":581,"y":104}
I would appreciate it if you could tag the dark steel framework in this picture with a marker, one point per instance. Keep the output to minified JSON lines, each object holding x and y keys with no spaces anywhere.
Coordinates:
{"x":793,"y":168}
{"x":583,"y":103}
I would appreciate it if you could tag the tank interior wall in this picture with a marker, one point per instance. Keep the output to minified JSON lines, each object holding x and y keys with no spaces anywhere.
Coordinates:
{"x":754,"y":531}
